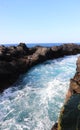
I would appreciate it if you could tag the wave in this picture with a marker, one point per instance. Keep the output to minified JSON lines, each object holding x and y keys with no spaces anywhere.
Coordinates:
{"x":34,"y":102}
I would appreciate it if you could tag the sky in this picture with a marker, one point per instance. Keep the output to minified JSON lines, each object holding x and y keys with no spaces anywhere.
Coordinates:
{"x":39,"y":21}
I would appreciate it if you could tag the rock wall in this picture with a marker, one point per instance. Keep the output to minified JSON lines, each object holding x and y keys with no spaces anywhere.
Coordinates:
{"x":16,"y":60}
{"x":73,"y":90}
{"x":75,"y":81}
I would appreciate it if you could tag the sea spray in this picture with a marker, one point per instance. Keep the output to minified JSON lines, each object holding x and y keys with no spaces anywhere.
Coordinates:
{"x":34,"y":102}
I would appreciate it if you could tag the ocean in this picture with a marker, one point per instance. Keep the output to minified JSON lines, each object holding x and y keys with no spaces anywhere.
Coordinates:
{"x":34,"y":44}
{"x":35,"y":100}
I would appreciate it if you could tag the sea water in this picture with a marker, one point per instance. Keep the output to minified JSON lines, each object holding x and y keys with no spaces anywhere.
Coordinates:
{"x":35,"y":100}
{"x":30,"y":45}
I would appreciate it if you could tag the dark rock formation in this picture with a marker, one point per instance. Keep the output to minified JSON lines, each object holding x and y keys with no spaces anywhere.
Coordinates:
{"x":55,"y":126}
{"x":70,"y":112}
{"x":16,"y":60}
{"x":75,"y":82}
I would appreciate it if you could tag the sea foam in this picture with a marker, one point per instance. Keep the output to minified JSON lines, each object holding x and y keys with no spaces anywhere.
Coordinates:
{"x":34,"y":102}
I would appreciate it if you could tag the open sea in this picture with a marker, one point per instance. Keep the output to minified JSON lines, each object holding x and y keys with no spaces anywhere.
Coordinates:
{"x":35,"y":100}
{"x":34,"y":44}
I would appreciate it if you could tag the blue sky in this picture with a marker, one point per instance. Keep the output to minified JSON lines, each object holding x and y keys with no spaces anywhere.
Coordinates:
{"x":39,"y":21}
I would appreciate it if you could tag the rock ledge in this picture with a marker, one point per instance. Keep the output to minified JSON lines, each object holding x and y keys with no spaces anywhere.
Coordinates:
{"x":16,"y":60}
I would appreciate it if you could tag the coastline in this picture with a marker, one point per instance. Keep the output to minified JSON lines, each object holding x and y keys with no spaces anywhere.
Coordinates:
{"x":16,"y":60}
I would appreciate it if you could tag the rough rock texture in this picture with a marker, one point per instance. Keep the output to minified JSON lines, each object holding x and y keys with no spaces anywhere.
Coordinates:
{"x":16,"y":60}
{"x":65,"y":119}
{"x":75,"y":82}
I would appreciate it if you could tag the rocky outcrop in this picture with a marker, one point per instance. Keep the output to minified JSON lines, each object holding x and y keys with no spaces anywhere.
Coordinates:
{"x":72,"y":104}
{"x":75,"y":81}
{"x":16,"y":60}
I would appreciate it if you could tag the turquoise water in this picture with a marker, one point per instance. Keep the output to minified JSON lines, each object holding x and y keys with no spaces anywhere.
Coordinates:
{"x":34,"y":102}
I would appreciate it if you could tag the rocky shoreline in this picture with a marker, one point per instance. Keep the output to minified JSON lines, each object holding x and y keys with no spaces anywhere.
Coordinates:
{"x":75,"y":81}
{"x":16,"y":60}
{"x":74,"y":89}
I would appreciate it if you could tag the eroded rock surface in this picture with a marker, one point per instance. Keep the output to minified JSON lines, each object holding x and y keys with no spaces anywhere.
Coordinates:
{"x":16,"y":60}
{"x":75,"y":81}
{"x":71,"y":108}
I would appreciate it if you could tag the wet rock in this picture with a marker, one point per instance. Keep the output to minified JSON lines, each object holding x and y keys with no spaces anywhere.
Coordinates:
{"x":67,"y":116}
{"x":16,"y":60}
{"x":75,"y":81}
{"x":55,"y":126}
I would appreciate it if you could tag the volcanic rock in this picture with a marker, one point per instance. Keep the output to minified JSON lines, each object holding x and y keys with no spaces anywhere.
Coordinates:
{"x":16,"y":60}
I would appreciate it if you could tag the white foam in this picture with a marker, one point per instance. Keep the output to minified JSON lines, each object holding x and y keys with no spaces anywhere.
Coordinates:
{"x":36,"y":106}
